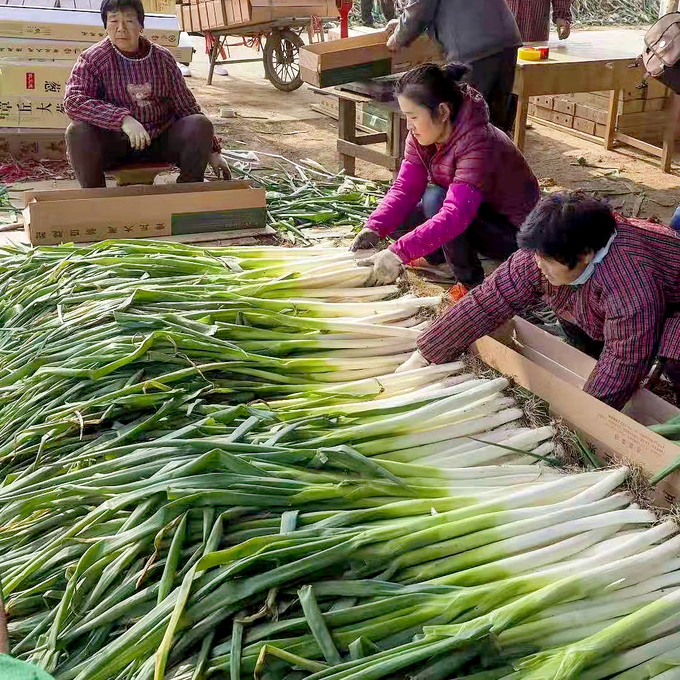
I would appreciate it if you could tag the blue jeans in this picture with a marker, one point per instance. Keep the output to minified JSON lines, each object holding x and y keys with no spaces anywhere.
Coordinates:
{"x":675,"y":220}
{"x":489,"y":234}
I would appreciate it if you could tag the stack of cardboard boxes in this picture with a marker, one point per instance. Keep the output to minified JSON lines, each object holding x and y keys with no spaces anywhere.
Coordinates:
{"x":38,"y":47}
{"x":212,"y":15}
{"x":641,"y":113}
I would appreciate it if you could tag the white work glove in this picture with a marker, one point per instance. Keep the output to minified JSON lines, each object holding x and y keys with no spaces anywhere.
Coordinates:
{"x":136,"y":133}
{"x":391,"y":33}
{"x":219,"y":165}
{"x":365,"y":239}
{"x":563,"y":29}
{"x":391,"y":27}
{"x":416,"y":360}
{"x":386,"y":267}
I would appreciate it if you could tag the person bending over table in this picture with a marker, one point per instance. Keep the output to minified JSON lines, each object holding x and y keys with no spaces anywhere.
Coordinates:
{"x":481,"y":33}
{"x":613,"y":283}
{"x":129,"y":104}
{"x":481,"y":187}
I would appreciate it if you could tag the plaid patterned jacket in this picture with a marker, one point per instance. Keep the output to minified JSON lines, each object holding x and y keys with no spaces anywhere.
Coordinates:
{"x":533,"y":17}
{"x":105,"y":86}
{"x":632,"y":303}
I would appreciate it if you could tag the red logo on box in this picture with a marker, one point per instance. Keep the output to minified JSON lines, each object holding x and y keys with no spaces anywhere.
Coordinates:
{"x":30,"y":81}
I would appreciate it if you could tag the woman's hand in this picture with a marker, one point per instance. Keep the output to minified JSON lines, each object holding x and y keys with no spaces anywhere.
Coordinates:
{"x":136,"y":133}
{"x":386,"y":268}
{"x":220,"y":166}
{"x":416,"y":360}
{"x":563,"y":29}
{"x":365,"y":239}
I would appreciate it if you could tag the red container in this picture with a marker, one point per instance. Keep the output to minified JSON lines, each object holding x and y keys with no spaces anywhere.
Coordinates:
{"x":544,"y":52}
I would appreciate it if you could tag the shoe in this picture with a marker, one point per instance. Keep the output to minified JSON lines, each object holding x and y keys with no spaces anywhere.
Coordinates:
{"x":457,"y":292}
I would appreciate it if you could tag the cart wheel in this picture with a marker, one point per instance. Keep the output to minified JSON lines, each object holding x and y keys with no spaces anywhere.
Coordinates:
{"x":281,"y":60}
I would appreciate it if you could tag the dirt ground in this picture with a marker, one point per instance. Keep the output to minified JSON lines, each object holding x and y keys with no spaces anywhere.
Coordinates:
{"x":283,"y":123}
{"x":278,"y":122}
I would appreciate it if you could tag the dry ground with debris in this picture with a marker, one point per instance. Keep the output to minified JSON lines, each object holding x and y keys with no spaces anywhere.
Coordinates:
{"x":284,"y":123}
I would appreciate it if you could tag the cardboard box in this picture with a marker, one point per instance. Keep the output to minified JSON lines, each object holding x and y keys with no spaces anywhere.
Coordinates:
{"x":556,"y":372}
{"x":34,"y":144}
{"x":359,"y":58}
{"x":584,"y":125}
{"x":564,"y":106}
{"x":76,"y":25}
{"x":22,"y":49}
{"x":563,"y":119}
{"x":82,"y":215}
{"x":32,"y":111}
{"x":41,"y":78}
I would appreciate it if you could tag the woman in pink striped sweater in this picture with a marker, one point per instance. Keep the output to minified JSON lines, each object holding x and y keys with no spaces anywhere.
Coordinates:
{"x":463,"y":189}
{"x":129,"y":103}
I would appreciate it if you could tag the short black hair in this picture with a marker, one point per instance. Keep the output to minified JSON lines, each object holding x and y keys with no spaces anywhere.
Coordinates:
{"x":566,"y":226}
{"x":430,"y":85}
{"x":118,"y":5}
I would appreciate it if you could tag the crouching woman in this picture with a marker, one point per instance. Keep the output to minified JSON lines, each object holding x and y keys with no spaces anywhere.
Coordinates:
{"x":463,"y":189}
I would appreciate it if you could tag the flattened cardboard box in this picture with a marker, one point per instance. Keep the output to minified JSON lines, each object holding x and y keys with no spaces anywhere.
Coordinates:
{"x":556,"y":372}
{"x":83,"y":215}
{"x":32,"y":111}
{"x":21,"y":49}
{"x":361,"y":58}
{"x":78,"y":25}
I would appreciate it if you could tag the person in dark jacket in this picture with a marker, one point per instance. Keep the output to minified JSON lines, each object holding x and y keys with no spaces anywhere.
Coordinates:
{"x":614,"y":283}
{"x":481,"y":186}
{"x":481,"y":33}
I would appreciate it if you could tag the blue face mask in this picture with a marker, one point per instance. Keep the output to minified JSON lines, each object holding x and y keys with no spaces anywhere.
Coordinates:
{"x":590,"y":269}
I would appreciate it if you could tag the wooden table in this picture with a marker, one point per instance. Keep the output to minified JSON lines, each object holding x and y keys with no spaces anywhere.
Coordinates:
{"x":592,"y":61}
{"x":353,"y":144}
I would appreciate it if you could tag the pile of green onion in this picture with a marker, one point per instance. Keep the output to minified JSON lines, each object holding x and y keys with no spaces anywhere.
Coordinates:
{"x":210,"y":470}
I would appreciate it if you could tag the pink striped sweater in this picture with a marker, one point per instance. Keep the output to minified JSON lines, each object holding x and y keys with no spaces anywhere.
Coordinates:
{"x":105,"y":86}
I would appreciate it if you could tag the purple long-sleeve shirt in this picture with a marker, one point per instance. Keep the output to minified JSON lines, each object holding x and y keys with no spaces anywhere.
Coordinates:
{"x":631,"y":303}
{"x":105,"y":86}
{"x":479,"y":164}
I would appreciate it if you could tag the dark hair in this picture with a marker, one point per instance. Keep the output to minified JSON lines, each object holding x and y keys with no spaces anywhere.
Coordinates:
{"x":430,"y":85}
{"x":565,"y":226}
{"x":118,"y":5}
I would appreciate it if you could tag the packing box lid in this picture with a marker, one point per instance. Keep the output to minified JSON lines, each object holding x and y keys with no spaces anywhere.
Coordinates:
{"x":75,"y":24}
{"x":82,"y":215}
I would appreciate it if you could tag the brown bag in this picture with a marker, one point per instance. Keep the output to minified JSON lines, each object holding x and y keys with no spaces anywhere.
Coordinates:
{"x":661,"y":57}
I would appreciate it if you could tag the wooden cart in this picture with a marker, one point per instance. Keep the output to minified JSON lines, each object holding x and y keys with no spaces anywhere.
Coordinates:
{"x":281,"y":39}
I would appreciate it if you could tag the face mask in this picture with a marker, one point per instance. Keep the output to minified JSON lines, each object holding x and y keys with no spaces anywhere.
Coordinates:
{"x":590,"y":269}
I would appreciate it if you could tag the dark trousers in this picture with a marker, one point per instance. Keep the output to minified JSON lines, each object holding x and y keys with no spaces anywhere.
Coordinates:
{"x":490,"y":235}
{"x":92,"y":150}
{"x":494,"y":77}
{"x":387,"y":7}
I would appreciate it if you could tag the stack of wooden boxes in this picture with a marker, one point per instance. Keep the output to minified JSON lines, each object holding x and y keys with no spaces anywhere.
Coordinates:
{"x":211,"y":15}
{"x":38,"y":47}
{"x":642,"y":113}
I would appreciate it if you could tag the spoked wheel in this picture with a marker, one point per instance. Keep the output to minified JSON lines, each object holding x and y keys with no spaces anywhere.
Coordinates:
{"x":281,"y":60}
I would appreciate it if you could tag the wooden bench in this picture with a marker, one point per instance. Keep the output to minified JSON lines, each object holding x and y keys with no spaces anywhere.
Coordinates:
{"x":139,"y":173}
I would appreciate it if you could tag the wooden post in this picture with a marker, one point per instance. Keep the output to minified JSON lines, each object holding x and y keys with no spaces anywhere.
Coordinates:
{"x":612,"y":115}
{"x":347,"y":131}
{"x":668,"y":6}
{"x":670,"y":132}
